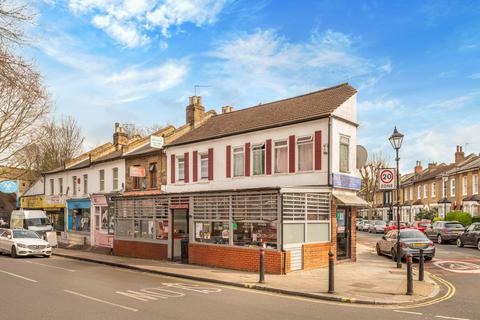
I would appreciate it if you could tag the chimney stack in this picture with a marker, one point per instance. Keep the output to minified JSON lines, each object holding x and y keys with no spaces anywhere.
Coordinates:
{"x":418,"y":167}
{"x":432,"y":165}
{"x":459,"y":155}
{"x":195,"y":111}
{"x":120,"y":137}
{"x":227,"y":109}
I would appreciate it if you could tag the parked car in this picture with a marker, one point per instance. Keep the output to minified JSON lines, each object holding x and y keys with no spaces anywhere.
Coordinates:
{"x":377,"y":226}
{"x":359,"y":224}
{"x":392,"y":225}
{"x":411,"y":241}
{"x":21,"y":242}
{"x":444,"y":231}
{"x":470,"y":237}
{"x":421,"y":226}
{"x":366,"y":225}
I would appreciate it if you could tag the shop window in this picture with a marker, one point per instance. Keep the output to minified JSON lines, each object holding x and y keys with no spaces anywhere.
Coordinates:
{"x":81,"y":220}
{"x":344,"y":153}
{"x":60,"y":185}
{"x":152,"y":168}
{"x":85,"y":183}
{"x":281,"y":156}
{"x":161,"y":229}
{"x":258,"y":157}
{"x":238,"y":162}
{"x":101,"y":174}
{"x":255,"y":233}
{"x":124,"y":228}
{"x":204,"y":166}
{"x":293,"y":233}
{"x":115,"y":178}
{"x":305,"y":153}
{"x":212,"y":232}
{"x":318,"y":232}
{"x":181,"y":168}
{"x":74,"y":185}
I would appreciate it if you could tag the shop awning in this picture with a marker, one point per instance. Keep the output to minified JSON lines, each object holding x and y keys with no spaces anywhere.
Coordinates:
{"x":351,"y":200}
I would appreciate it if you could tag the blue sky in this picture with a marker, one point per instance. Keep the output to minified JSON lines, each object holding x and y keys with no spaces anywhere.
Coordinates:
{"x":415,"y":64}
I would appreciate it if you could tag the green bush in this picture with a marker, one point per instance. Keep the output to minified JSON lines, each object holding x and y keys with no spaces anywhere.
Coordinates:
{"x":464,"y":218}
{"x":425,"y":214}
{"x":437,"y":219}
{"x":476,"y":219}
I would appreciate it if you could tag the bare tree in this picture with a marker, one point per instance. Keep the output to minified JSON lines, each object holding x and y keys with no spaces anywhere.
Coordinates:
{"x":133,"y":130}
{"x":369,"y":176}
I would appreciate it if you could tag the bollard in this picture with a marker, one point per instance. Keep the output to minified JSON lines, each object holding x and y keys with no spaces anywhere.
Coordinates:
{"x":409,"y":275}
{"x":421,"y":266}
{"x":331,"y":279}
{"x":262,"y":265}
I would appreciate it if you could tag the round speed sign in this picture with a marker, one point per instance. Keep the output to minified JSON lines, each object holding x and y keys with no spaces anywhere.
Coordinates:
{"x":387,"y":175}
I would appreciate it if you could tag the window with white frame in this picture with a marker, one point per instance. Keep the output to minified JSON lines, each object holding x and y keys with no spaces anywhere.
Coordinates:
{"x":85,"y":183}
{"x":181,"y":168}
{"x":405,"y":194}
{"x":281,"y":156}
{"x":419,"y":192}
{"x":452,"y":187}
{"x":411,"y":193}
{"x":52,"y":186}
{"x":74,"y":185}
{"x":60,"y":185}
{"x":115,"y":178}
{"x":475,"y":184}
{"x":344,"y":153}
{"x":434,"y":191}
{"x":238,"y":162}
{"x":204,"y":166}
{"x":258,"y":157}
{"x":425,"y":191}
{"x":101,"y":175}
{"x":305,"y":153}
{"x":464,"y":185}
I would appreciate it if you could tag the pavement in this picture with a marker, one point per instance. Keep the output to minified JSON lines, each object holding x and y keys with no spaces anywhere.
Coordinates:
{"x":370,"y":280}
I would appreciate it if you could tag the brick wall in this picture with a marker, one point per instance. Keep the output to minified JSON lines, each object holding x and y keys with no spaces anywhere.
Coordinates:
{"x":245,"y":259}
{"x":143,"y":250}
{"x":145,"y":161}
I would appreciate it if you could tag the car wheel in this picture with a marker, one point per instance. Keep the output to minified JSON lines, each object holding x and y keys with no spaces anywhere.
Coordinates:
{"x":394,"y":256}
{"x":13,"y":252}
{"x":459,"y":242}
{"x":439,"y":239}
{"x":379,"y":252}
{"x":428,"y":258}
{"x":46,"y":256}
{"x":478,"y":244}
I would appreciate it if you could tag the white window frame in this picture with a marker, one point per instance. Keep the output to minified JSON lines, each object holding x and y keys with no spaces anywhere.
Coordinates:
{"x":425,"y":193}
{"x":464,"y":186}
{"x":452,"y":187}
{"x":202,"y":159}
{"x":242,"y":152}
{"x":74,"y":186}
{"x":300,"y":141}
{"x":181,"y":160}
{"x":434,"y":191}
{"x":275,"y":147}
{"x":475,"y":184}
{"x":101,"y":179}
{"x":412,"y":192}
{"x":52,"y":186}
{"x":115,"y":179}
{"x":259,"y":147}
{"x":342,"y":140}
{"x":85,"y":183}
{"x":419,"y":192}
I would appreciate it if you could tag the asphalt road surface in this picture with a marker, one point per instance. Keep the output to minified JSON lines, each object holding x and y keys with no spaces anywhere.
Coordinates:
{"x":58,"y":288}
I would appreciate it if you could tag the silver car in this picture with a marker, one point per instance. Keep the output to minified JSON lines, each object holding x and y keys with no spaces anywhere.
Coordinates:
{"x":444,"y":231}
{"x":366,"y":225}
{"x":411,"y":241}
{"x":21,"y":242}
{"x":377,"y":226}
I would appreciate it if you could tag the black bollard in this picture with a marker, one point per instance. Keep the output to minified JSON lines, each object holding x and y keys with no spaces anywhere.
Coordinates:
{"x":331,"y":278}
{"x":262,"y":265}
{"x":409,"y":275}
{"x":421,"y":266}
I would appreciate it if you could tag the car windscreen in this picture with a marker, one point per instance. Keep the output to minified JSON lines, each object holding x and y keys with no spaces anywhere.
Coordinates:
{"x":380,"y":223}
{"x":24,"y":234}
{"x":37,"y":222}
{"x":453,"y":225}
{"x":424,"y":225}
{"x":411,"y":234}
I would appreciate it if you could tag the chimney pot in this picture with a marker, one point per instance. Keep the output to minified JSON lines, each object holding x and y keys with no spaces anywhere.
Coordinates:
{"x":195,"y":112}
{"x":227,"y":109}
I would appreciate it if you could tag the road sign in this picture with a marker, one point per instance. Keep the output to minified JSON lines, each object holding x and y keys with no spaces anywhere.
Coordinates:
{"x":386,"y":179}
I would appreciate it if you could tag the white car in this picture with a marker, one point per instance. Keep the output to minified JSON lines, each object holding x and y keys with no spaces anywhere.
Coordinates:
{"x":21,"y":242}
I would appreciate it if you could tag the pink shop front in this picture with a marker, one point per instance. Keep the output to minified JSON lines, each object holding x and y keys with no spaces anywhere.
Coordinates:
{"x":102,"y":220}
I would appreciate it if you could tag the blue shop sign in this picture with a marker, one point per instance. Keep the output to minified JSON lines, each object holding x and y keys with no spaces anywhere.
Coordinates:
{"x":343,"y":181}
{"x":78,"y":204}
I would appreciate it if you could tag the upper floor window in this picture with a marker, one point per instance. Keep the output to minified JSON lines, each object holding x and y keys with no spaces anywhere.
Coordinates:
{"x":115,"y":178}
{"x":60,"y":185}
{"x":464,"y":185}
{"x":411,"y":193}
{"x":434,"y":191}
{"x":405,"y":194}
{"x":305,"y":153}
{"x":74,"y":185}
{"x":425,"y":191}
{"x":344,"y":153}
{"x":85,"y":183}
{"x":238,"y":162}
{"x":258,"y":156}
{"x":281,"y":156}
{"x":475,"y":184}
{"x":153,"y":175}
{"x":101,"y":174}
{"x":52,"y":186}
{"x":419,"y":192}
{"x":136,"y":179}
{"x":204,"y":166}
{"x":181,"y":168}
{"x":452,"y":187}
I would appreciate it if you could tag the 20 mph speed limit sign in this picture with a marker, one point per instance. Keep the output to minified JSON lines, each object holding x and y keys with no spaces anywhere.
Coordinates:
{"x":386,"y":179}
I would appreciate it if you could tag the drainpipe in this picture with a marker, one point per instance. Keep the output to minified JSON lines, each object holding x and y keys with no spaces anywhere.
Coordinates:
{"x":329,"y":150}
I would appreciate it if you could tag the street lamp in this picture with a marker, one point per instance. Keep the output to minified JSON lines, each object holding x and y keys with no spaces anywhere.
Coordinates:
{"x":444,"y":180}
{"x":396,"y":140}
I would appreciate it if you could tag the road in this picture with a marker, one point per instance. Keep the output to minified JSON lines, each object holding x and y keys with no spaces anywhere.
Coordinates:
{"x":58,"y":288}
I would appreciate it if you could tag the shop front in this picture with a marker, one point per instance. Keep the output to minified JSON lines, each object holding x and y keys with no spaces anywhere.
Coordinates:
{"x":55,"y":209}
{"x":103,"y":222}
{"x":78,"y":221}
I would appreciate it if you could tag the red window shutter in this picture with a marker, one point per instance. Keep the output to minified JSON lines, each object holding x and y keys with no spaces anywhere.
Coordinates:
{"x":186,"y":167}
{"x":195,"y":166}
{"x":247,"y":159}
{"x":318,"y":150}
{"x":172,"y":168}
{"x":229,"y":161}
{"x":268,"y":157}
{"x":291,"y":154}
{"x":210,"y":164}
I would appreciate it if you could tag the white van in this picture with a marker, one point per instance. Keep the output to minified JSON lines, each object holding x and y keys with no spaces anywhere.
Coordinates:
{"x":35,"y":220}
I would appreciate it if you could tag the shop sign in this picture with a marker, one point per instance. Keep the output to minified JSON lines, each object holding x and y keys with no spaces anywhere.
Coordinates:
{"x":343,"y":181}
{"x":386,"y":179}
{"x":54,"y":201}
{"x":99,"y":200}
{"x":32,"y":202}
{"x":137,"y":172}
{"x":156,"y":142}
{"x":9,"y":186}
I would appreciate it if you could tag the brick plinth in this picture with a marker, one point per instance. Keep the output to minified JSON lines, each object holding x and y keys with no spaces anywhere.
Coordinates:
{"x":142,"y":250}
{"x":246,"y":259}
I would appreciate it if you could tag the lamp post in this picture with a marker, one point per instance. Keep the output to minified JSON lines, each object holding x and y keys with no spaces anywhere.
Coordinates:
{"x":396,"y":140}
{"x":444,"y":180}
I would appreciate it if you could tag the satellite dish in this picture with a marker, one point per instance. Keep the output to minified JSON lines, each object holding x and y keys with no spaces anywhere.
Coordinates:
{"x":362,"y":156}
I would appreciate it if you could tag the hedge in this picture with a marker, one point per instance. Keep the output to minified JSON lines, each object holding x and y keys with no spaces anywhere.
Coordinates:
{"x":476,"y":219}
{"x":464,"y":218}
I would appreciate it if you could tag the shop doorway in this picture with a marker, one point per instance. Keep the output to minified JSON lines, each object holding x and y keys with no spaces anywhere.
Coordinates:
{"x":344,"y":233}
{"x":179,"y":231}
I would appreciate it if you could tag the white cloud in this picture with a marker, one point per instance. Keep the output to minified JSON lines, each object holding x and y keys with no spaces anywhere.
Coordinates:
{"x":456,"y":102}
{"x":475,"y":75}
{"x":381,"y":104}
{"x":129,"y":22}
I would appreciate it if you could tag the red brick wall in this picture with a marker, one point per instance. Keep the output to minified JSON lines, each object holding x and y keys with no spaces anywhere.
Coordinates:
{"x":315,"y":255}
{"x":245,"y":259}
{"x":354,"y":235}
{"x":143,"y":250}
